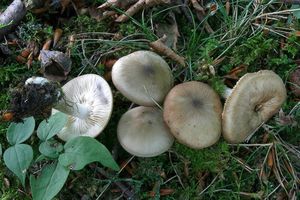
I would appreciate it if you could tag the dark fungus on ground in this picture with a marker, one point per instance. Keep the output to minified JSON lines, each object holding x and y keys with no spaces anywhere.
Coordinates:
{"x":55,"y":65}
{"x":34,"y":98}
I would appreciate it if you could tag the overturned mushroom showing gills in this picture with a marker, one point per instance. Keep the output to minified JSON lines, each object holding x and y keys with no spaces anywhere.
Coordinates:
{"x":142,"y":132}
{"x":143,"y":77}
{"x":88,"y":102}
{"x":254,"y":99}
{"x":192,"y":110}
{"x":11,"y":17}
{"x":55,"y":65}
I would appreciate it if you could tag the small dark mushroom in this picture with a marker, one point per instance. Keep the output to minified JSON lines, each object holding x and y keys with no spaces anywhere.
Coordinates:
{"x":55,"y":65}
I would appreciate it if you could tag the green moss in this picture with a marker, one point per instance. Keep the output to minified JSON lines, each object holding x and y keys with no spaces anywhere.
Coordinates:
{"x":209,"y":159}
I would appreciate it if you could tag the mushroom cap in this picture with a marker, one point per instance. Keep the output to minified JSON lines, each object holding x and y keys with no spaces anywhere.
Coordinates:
{"x":88,"y":101}
{"x":192,"y":110}
{"x":255,"y":98}
{"x":142,"y":132}
{"x":55,"y":65}
{"x":143,"y":77}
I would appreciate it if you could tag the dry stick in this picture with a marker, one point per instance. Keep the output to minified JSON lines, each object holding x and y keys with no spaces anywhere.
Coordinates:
{"x":11,"y":17}
{"x":159,"y":47}
{"x":141,"y":4}
{"x":117,"y":3}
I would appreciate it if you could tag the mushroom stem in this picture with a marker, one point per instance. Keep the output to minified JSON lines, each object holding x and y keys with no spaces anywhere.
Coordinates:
{"x":79,"y":110}
{"x":227,"y":92}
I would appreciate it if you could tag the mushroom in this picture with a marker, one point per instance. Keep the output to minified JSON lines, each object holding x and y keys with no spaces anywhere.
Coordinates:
{"x":143,"y":77}
{"x":254,"y":99}
{"x":192,"y":110}
{"x":88,"y":101}
{"x":55,"y":65}
{"x":142,"y":132}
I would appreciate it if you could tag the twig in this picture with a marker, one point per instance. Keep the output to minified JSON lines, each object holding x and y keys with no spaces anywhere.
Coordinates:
{"x":178,"y":177}
{"x":11,"y":17}
{"x":161,"y":48}
{"x":141,"y":4}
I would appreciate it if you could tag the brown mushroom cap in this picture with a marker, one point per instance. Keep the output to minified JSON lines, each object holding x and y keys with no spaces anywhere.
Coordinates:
{"x":255,"y":98}
{"x":143,"y":77}
{"x":142,"y":132}
{"x":192,"y":110}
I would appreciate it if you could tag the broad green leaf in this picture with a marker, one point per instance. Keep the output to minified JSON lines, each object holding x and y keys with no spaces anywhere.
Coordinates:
{"x":296,"y":13}
{"x":46,"y":185}
{"x":51,"y":148}
{"x":48,"y":128}
{"x":18,"y":158}
{"x":83,"y":150}
{"x":20,"y":132}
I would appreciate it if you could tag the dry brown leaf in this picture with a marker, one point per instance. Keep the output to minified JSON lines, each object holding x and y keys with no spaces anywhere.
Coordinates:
{"x":236,"y":72}
{"x":271,"y":157}
{"x":57,"y":35}
{"x":170,"y":30}
{"x":64,"y":4}
{"x":25,"y":53}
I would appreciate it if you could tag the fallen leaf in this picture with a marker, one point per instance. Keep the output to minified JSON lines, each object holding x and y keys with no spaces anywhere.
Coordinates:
{"x":170,"y":30}
{"x":57,"y":35}
{"x":235,"y":73}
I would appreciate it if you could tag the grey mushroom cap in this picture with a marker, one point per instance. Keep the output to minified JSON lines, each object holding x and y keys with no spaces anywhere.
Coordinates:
{"x":192,"y":111}
{"x":255,"y":98}
{"x":143,"y":77}
{"x":142,"y":132}
{"x":88,"y":101}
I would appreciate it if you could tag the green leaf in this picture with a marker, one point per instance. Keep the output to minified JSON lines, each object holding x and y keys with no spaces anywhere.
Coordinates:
{"x":18,"y":158}
{"x":297,"y":12}
{"x":20,"y":132}
{"x":83,"y":150}
{"x":48,"y":128}
{"x":49,"y":182}
{"x":51,"y":148}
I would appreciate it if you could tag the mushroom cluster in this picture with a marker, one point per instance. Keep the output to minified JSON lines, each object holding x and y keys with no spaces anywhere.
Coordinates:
{"x":192,"y":111}
{"x":144,"y":78}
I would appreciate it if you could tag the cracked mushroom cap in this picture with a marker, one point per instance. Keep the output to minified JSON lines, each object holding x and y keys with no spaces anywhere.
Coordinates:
{"x":142,"y":132}
{"x":192,"y":110}
{"x":255,"y":98}
{"x":88,"y":101}
{"x":143,"y":77}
